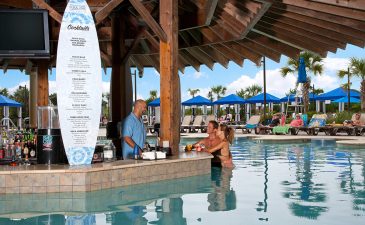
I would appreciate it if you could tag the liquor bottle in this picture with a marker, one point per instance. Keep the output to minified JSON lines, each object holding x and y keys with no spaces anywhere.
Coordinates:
{"x":26,"y":152}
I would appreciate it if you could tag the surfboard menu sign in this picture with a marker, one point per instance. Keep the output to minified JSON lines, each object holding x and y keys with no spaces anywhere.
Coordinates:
{"x":79,"y":84}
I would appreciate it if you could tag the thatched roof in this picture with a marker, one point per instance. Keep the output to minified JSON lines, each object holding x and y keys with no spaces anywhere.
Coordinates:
{"x":219,"y":31}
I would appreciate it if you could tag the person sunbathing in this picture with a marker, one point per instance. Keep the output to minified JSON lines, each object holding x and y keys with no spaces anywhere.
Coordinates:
{"x":355,"y":122}
{"x":226,"y":134}
{"x":297,"y":122}
{"x":275,"y":121}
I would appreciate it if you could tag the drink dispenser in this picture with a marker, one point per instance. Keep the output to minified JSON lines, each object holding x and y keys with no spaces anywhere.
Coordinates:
{"x":50,"y":148}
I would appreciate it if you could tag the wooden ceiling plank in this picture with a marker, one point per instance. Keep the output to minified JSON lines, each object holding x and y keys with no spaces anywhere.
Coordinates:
{"x":201,"y":56}
{"x":52,"y":12}
{"x":154,"y":60}
{"x":145,"y":14}
{"x":261,"y":49}
{"x":195,"y":35}
{"x":194,"y":63}
{"x":321,"y":15}
{"x":349,"y":34}
{"x":304,"y":33}
{"x":136,"y":63}
{"x":152,"y":40}
{"x":184,"y":35}
{"x":291,"y":39}
{"x":332,"y":35}
{"x":215,"y":55}
{"x":326,"y":8}
{"x":236,"y":14}
{"x":17,"y":4}
{"x":133,"y":46}
{"x":107,"y":59}
{"x":359,"y":4}
{"x":229,"y":54}
{"x":243,"y":51}
{"x":274,"y":45}
{"x":104,"y":12}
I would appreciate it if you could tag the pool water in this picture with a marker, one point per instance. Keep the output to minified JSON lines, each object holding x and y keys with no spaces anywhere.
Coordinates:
{"x":313,"y":182}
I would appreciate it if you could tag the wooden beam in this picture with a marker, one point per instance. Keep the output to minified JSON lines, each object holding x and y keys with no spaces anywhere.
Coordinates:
{"x":107,"y":59}
{"x":170,"y":82}
{"x":217,"y":56}
{"x":155,"y":62}
{"x":347,"y":33}
{"x":136,"y":63}
{"x":306,"y":34}
{"x":354,"y":4}
{"x":229,"y":54}
{"x":152,"y":40}
{"x":261,"y":49}
{"x":201,"y":57}
{"x":53,"y":13}
{"x":331,"y":35}
{"x":192,"y":62}
{"x":355,"y":24}
{"x":17,"y":4}
{"x":133,"y":46}
{"x":294,"y":40}
{"x":106,"y":10}
{"x":149,"y":19}
{"x":244,"y":52}
{"x":274,"y":45}
{"x":326,"y":8}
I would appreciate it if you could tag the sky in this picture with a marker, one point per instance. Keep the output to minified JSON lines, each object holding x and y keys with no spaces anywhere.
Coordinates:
{"x":234,"y":78}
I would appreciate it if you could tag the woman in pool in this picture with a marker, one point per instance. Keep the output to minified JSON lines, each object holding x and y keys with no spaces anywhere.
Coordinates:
{"x":226,"y":134}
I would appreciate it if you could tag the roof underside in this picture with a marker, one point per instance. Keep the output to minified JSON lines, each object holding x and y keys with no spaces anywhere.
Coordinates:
{"x":218,"y":31}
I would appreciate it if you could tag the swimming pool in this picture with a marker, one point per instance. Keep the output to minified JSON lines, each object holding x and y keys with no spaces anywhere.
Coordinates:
{"x":295,"y":183}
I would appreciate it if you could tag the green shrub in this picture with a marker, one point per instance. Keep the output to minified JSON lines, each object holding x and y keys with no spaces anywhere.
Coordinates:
{"x":340,"y":117}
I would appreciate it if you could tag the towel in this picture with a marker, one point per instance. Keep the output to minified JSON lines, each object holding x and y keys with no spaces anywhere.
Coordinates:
{"x":281,"y":129}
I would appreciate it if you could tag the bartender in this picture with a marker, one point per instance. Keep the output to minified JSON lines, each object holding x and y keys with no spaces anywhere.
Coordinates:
{"x":133,"y":130}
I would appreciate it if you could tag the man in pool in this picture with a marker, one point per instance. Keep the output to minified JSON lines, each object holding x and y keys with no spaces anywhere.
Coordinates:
{"x":134,"y":132}
{"x":211,"y":140}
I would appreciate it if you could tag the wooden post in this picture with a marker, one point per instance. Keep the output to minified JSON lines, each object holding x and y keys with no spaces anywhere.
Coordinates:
{"x":121,"y":82}
{"x":170,"y":82}
{"x":43,"y":89}
{"x":33,"y":98}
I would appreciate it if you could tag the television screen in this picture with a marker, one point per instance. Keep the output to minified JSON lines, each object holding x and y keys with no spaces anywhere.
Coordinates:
{"x":24,"y":33}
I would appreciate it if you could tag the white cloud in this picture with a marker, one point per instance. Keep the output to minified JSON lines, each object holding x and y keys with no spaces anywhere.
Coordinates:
{"x":198,"y":75}
{"x":335,"y":64}
{"x":275,"y":83}
{"x":185,"y":95}
{"x":326,"y":82}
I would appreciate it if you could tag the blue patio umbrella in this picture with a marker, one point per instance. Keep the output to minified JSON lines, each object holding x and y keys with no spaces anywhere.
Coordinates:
{"x":345,"y":100}
{"x":5,"y":101}
{"x":198,"y":100}
{"x":302,"y":74}
{"x":260,"y":99}
{"x":337,"y":93}
{"x":230,"y":99}
{"x":155,"y":103}
{"x":312,"y":97}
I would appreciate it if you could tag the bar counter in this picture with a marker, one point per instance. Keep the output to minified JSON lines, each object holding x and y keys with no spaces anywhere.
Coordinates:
{"x":65,"y":178}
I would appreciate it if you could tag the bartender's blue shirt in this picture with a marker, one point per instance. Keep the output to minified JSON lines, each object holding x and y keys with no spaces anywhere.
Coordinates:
{"x":134,"y":128}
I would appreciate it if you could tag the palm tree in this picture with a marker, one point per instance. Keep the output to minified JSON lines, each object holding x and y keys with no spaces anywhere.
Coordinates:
{"x":4,"y":91}
{"x":192,"y":92}
{"x":153,"y":94}
{"x":241,"y":93}
{"x":210,"y":96}
{"x":219,"y":90}
{"x":313,"y":64}
{"x":253,"y":90}
{"x":357,"y":68}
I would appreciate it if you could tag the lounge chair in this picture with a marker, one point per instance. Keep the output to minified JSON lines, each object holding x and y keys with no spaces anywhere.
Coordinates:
{"x":349,"y":130}
{"x":197,"y":124}
{"x":316,"y":124}
{"x":206,"y":121}
{"x":185,"y":124}
{"x":251,"y":124}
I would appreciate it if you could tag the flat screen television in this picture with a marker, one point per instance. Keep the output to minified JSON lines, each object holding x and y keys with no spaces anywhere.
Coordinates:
{"x":24,"y":33}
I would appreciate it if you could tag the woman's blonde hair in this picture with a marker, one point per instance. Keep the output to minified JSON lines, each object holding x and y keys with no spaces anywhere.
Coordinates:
{"x":228,"y":132}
